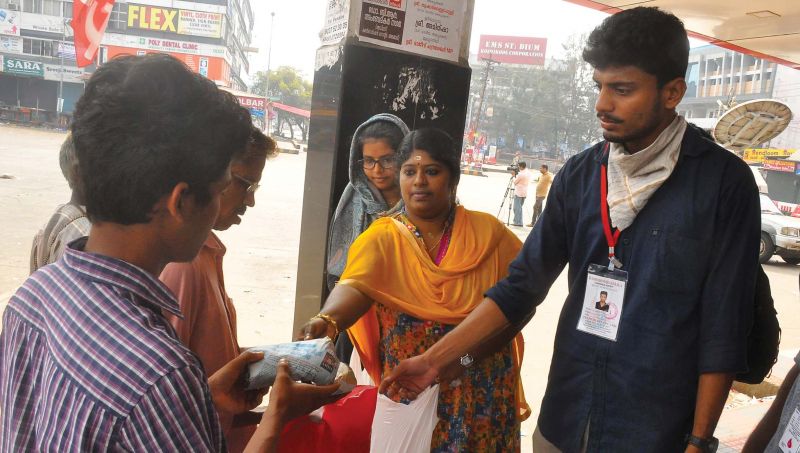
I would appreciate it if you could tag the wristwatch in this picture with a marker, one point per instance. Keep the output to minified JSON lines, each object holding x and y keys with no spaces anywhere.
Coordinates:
{"x":467,"y":360}
{"x":705,"y":445}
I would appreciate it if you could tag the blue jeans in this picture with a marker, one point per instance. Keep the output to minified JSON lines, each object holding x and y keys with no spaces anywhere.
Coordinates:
{"x":518,"y":202}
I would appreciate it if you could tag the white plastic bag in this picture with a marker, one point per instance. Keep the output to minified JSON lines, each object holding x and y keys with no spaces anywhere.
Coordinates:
{"x":405,"y":428}
{"x":362,"y":377}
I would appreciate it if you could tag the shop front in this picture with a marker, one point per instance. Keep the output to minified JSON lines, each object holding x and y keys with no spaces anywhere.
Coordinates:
{"x":29,"y":91}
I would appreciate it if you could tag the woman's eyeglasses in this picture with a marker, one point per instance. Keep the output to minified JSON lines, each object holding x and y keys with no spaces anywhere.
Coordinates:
{"x":386,"y":163}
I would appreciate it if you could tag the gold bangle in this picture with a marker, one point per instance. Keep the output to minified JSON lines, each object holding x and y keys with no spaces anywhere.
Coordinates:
{"x":330,"y":321}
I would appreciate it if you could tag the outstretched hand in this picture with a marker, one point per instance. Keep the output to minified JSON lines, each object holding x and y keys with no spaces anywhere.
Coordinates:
{"x":410,"y":378}
{"x":313,"y":329}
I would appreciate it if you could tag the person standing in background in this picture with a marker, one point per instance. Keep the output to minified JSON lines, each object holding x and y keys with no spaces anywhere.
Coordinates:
{"x":69,"y":222}
{"x":542,"y":187}
{"x":521,"y":182}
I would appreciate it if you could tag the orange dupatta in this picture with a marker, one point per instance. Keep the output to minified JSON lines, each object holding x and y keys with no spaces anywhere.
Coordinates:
{"x":386,"y":264}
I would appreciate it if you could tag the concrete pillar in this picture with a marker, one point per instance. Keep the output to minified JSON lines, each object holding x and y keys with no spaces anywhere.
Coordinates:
{"x":390,"y":60}
{"x":742,"y":74}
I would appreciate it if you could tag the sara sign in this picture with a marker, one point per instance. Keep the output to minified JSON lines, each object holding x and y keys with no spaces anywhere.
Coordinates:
{"x":512,"y":49}
{"x":178,"y":21}
{"x":23,"y":67}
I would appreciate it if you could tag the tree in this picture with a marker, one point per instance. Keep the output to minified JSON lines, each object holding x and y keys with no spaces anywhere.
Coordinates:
{"x":549,"y":109}
{"x":287,"y":86}
{"x":580,"y":96}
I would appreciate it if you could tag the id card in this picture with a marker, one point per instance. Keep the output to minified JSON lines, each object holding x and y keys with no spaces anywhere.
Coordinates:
{"x":790,"y":440}
{"x":602,"y":302}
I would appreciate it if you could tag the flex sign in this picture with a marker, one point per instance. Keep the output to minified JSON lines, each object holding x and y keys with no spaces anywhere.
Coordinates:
{"x":152,"y":18}
{"x":23,"y":67}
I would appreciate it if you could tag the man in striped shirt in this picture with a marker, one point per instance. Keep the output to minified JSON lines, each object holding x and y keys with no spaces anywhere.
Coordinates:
{"x":87,"y":360}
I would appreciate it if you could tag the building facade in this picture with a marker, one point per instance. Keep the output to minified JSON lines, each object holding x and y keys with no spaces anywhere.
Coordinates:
{"x":716,"y":77}
{"x":37,"y":54}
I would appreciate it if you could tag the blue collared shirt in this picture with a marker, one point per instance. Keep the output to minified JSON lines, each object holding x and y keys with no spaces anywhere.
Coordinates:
{"x":691,"y":255}
{"x":88,"y":363}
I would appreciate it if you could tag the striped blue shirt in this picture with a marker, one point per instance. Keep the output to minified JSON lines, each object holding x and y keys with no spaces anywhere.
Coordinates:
{"x":88,"y":363}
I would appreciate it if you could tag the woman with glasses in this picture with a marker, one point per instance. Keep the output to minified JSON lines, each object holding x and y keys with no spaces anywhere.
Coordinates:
{"x":414,"y":275}
{"x":372,"y":192}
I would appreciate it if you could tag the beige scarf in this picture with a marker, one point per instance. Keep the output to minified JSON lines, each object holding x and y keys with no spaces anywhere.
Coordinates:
{"x":634,"y":178}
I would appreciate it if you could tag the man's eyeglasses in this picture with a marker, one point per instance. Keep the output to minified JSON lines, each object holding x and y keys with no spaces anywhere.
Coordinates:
{"x":250,"y":185}
{"x":386,"y":163}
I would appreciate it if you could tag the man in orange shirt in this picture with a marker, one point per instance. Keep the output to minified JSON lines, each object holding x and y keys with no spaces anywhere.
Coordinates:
{"x":542,"y":187}
{"x":208,"y":326}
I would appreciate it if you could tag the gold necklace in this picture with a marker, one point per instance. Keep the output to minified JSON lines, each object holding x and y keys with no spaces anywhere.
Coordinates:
{"x":441,"y":235}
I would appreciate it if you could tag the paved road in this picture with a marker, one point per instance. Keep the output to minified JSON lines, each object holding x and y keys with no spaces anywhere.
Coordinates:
{"x":262,"y":252}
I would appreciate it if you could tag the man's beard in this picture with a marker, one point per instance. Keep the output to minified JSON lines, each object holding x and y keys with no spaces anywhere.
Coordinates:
{"x":638,"y":134}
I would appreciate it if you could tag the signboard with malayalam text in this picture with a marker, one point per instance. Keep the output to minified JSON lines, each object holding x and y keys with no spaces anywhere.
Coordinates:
{"x":423,"y":27}
{"x":786,"y":166}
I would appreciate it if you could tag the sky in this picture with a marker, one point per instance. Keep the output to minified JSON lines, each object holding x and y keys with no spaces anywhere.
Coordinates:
{"x":298,"y":22}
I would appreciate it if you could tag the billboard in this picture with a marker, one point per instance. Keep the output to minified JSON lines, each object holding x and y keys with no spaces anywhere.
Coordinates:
{"x":172,"y":20}
{"x":513,"y":49}
{"x":760,"y":154}
{"x":213,"y":68}
{"x":198,"y":23}
{"x":9,"y":22}
{"x":23,"y":67}
{"x":11,"y":44}
{"x":786,"y":166}
{"x":165,"y":45}
{"x":423,"y":27}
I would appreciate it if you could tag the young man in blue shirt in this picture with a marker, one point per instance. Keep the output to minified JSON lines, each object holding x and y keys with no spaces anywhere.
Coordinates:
{"x":664,"y":220}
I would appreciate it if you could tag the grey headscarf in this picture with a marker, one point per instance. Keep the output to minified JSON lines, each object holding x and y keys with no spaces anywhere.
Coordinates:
{"x":361,"y":203}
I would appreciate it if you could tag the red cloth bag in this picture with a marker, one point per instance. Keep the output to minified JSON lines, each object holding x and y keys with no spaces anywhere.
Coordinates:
{"x":346,"y":426}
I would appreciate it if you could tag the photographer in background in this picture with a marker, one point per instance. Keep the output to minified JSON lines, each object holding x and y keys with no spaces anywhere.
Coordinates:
{"x":542,"y":187}
{"x":522,"y":179}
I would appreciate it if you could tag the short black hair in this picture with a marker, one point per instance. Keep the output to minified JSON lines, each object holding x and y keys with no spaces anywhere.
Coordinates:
{"x":143,"y":125}
{"x":647,"y":38}
{"x":522,"y":164}
{"x":438,"y":144}
{"x":604,"y":292}
{"x":381,"y":130}
{"x":545,"y":167}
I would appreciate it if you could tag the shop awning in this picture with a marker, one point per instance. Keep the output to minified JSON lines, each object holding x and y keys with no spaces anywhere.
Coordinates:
{"x":768,"y":29}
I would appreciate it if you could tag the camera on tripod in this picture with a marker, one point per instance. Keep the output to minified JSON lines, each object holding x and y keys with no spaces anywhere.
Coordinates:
{"x":513,"y":168}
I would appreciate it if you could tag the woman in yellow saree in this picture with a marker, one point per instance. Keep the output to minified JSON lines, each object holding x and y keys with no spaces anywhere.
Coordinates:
{"x":410,"y":278}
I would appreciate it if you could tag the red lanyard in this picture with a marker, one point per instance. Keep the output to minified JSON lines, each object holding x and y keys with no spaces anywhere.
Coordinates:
{"x":611,"y":238}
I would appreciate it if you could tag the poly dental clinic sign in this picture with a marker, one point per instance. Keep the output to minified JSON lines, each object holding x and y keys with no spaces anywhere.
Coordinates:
{"x":23,"y":67}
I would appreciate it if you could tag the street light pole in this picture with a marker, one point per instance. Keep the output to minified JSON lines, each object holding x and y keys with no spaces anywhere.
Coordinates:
{"x":269,"y":62}
{"x":60,"y":102}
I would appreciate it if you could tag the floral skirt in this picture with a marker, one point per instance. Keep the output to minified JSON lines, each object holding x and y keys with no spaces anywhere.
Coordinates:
{"x":477,"y":412}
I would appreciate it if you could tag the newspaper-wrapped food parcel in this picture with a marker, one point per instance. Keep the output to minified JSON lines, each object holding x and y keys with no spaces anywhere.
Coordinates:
{"x":309,"y":361}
